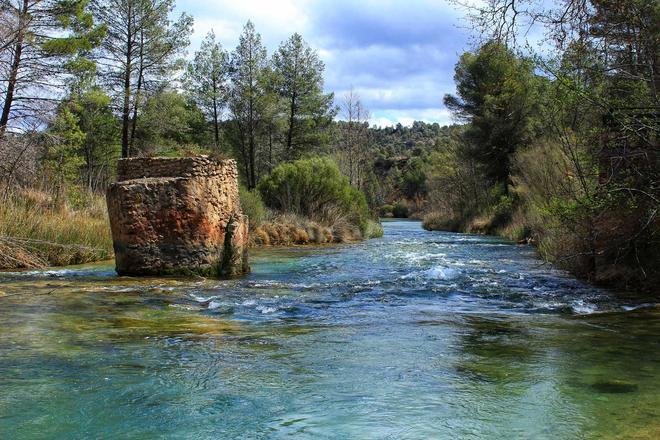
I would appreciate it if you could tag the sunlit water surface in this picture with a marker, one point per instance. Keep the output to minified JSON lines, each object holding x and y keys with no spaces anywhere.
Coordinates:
{"x":415,"y":335}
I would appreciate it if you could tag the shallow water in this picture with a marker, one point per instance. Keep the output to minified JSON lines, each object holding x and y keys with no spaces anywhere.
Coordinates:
{"x":415,"y":335}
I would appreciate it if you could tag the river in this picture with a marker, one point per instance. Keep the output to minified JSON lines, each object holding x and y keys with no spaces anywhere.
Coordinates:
{"x":414,"y":335}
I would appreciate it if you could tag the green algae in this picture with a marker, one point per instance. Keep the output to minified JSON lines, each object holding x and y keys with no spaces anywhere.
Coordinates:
{"x":493,"y":372}
{"x":167,"y":322}
{"x":615,"y":386}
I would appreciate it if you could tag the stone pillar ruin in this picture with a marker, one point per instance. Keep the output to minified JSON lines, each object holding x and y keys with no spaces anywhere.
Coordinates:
{"x":178,"y":216}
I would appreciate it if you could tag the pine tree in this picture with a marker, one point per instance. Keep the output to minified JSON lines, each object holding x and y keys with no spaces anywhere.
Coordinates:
{"x":299,"y":82}
{"x":62,"y":159}
{"x":43,"y":41}
{"x":206,"y":81}
{"x":498,"y":96}
{"x":249,"y":99}
{"x":100,"y":147}
{"x":139,"y":53}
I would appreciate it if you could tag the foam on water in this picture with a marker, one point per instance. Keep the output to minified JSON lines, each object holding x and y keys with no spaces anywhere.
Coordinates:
{"x":640,"y":307}
{"x":214,"y":305}
{"x":442,"y":273}
{"x":266,"y":309}
{"x":60,"y":273}
{"x":582,"y":307}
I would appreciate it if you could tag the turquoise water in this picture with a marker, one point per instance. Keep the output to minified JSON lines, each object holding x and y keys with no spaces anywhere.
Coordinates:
{"x":415,"y":335}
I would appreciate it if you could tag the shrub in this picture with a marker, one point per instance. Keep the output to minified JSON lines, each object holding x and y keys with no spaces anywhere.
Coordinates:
{"x":400,"y":210}
{"x":315,"y":188}
{"x":386,"y":211}
{"x":374,"y":230}
{"x":253,"y":206}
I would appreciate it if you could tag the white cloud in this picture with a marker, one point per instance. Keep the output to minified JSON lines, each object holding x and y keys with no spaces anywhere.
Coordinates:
{"x":275,"y":20}
{"x":399,"y":57}
{"x":390,"y":117}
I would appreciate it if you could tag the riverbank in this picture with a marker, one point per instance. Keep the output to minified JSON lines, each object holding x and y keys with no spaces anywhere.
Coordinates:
{"x":599,"y":268}
{"x":34,"y":235}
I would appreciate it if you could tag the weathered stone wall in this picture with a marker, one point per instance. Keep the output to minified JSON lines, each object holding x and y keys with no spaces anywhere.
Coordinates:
{"x":196,"y":166}
{"x":178,"y":216}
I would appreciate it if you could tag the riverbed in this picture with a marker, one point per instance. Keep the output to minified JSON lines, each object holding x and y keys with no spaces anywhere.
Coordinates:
{"x":415,"y":335}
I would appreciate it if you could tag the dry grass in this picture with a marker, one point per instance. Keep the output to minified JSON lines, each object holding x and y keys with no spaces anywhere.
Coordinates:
{"x":439,"y":221}
{"x":33,"y":234}
{"x":289,"y":229}
{"x":482,"y":224}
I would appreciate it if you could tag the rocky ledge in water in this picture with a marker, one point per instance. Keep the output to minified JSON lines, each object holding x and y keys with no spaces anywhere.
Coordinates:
{"x":178,"y":216}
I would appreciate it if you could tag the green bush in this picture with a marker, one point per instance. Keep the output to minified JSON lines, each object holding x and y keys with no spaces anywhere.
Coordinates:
{"x":413,"y":181}
{"x":374,"y":230}
{"x":400,"y":210}
{"x":386,"y":211}
{"x":253,"y":206}
{"x":315,"y":188}
{"x":502,"y":211}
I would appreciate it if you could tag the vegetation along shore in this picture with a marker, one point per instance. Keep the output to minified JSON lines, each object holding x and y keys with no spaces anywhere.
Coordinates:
{"x":559,"y":150}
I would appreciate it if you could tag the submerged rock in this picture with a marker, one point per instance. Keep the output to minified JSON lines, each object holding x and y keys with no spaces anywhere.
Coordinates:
{"x":178,"y":216}
{"x":614,"y":386}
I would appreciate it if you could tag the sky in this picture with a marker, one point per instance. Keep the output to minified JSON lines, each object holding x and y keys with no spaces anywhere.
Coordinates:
{"x":398,"y":55}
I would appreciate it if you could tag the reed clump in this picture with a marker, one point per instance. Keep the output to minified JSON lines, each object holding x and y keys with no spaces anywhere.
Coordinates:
{"x":291,"y":229}
{"x":36,"y":232}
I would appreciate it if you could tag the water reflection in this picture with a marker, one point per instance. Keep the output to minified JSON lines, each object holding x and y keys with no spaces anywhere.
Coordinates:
{"x":495,"y":350}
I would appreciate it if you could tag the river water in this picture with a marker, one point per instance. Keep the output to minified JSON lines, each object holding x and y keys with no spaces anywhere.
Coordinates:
{"x":415,"y":335}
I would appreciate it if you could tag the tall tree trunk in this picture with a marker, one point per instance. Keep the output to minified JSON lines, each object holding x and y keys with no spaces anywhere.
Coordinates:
{"x":216,"y":128}
{"x":13,"y":73}
{"x":253,"y":175}
{"x":126,"y":109}
{"x":244,"y":154}
{"x":90,"y":167}
{"x":289,"y":135}
{"x":131,"y":142}
{"x":246,"y":160}
{"x":251,"y":141}
{"x":138,"y":91}
{"x":270,"y":148}
{"x":126,"y":114}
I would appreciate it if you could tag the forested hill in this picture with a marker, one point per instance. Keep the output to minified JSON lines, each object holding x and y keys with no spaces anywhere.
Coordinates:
{"x":408,"y":140}
{"x":396,"y":159}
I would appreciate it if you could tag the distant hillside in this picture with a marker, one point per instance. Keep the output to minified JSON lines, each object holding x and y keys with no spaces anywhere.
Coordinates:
{"x":401,"y":156}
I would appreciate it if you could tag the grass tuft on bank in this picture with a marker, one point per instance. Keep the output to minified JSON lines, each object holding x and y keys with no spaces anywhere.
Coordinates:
{"x":34,"y":234}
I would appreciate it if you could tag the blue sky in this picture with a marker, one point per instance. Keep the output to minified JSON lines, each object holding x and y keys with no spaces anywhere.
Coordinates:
{"x":399,"y":56}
